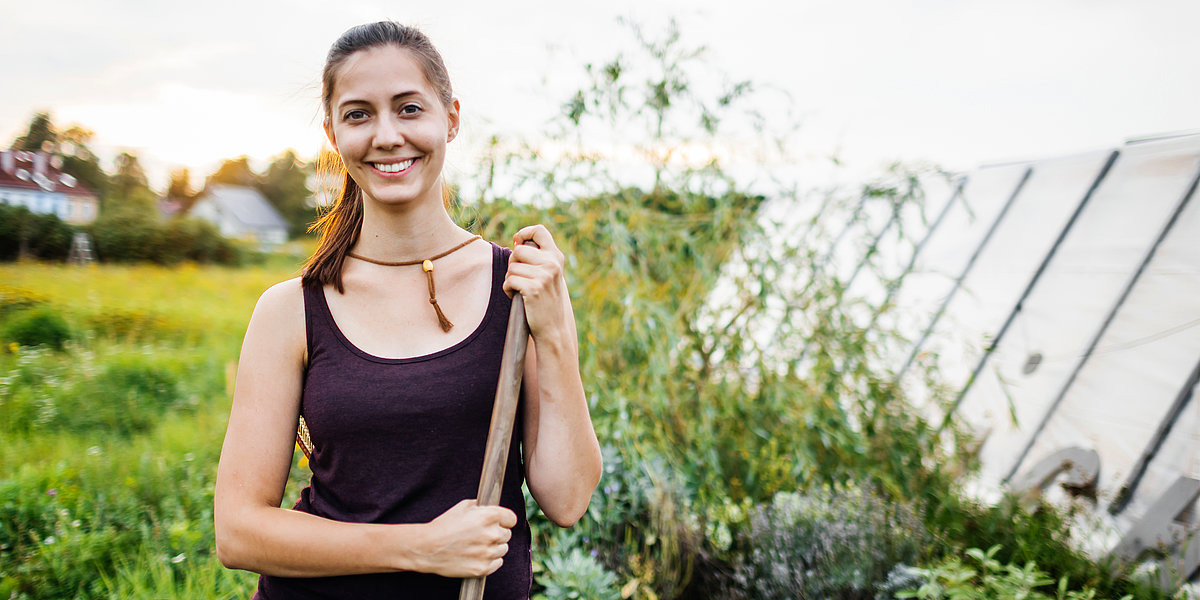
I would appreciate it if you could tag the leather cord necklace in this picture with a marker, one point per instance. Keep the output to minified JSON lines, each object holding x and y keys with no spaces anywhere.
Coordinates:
{"x":427,"y":266}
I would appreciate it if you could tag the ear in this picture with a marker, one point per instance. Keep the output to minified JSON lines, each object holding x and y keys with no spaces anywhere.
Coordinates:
{"x":453,"y":113}
{"x":328,"y":126}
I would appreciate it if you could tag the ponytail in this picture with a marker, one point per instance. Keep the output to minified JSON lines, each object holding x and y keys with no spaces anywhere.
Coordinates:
{"x":340,"y":227}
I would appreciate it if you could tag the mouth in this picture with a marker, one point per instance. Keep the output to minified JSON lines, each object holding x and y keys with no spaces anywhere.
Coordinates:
{"x":393,"y":167}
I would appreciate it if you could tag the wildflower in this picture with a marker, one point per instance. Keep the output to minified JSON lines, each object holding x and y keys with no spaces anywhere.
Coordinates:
{"x":50,"y":540}
{"x":14,"y":347}
{"x":52,"y":492}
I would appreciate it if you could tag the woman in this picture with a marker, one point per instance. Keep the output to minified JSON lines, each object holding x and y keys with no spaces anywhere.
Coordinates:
{"x":396,"y":376}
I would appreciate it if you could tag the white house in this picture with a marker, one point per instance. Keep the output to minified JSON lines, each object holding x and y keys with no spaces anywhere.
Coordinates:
{"x":35,"y":180}
{"x":241,"y":212}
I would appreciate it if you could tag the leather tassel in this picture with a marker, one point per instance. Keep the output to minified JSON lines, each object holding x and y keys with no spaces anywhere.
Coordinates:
{"x":427,"y":266}
{"x":442,"y":320}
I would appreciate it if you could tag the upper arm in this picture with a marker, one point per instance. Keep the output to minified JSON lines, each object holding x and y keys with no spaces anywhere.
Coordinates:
{"x":259,"y":441}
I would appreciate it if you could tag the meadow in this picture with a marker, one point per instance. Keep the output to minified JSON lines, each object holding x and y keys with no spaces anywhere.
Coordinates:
{"x":111,"y":443}
{"x":731,"y":470}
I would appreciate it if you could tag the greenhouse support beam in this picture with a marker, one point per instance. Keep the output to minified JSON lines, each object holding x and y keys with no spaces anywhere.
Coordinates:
{"x":1033,"y":281}
{"x":1112,"y":315}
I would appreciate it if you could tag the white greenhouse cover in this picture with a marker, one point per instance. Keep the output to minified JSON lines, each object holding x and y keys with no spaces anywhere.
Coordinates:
{"x":1060,"y":301}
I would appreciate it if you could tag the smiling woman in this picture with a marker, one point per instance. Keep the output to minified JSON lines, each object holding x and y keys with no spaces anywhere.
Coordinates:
{"x":397,"y":402}
{"x":390,"y":126}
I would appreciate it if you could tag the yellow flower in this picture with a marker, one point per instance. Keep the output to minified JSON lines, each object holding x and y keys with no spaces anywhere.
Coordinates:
{"x":14,"y":347}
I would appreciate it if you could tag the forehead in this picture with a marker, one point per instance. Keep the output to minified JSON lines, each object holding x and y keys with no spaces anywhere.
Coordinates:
{"x":379,"y":73}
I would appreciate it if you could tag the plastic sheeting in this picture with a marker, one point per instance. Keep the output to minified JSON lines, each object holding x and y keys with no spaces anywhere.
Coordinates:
{"x":943,"y":258}
{"x":1061,"y":298}
{"x":1064,"y":311}
{"x":1129,"y":384}
{"x":1006,"y":267}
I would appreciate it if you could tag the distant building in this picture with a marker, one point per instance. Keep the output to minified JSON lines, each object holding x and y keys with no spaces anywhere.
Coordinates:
{"x":35,"y":180}
{"x":242,"y":213}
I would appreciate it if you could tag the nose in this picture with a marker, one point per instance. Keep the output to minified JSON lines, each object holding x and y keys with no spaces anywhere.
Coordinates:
{"x":389,"y":131}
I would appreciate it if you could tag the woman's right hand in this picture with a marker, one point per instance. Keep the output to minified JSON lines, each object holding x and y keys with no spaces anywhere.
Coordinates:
{"x":469,"y":540}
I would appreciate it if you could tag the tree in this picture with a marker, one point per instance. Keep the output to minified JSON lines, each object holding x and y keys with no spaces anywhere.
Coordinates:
{"x":662,"y":103}
{"x":79,"y":160}
{"x":180,"y":186}
{"x":180,"y":189}
{"x":285,"y":185}
{"x":235,"y":171}
{"x":71,"y":146}
{"x":40,"y":132}
{"x":129,"y":190}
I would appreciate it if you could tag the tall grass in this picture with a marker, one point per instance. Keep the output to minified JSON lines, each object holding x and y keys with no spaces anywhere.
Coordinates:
{"x":111,"y":445}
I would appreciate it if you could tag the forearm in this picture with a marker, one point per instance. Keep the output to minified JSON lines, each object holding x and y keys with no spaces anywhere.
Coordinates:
{"x":564,"y":465}
{"x":290,"y":543}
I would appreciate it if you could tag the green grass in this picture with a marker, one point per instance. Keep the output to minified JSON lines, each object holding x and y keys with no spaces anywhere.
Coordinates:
{"x":191,"y":301}
{"x":111,"y":445}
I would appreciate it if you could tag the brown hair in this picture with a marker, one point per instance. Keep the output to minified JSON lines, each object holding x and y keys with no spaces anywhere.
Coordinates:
{"x":340,"y":224}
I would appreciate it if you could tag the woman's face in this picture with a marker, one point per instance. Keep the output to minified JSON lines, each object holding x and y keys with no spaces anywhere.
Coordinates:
{"x":389,"y":126}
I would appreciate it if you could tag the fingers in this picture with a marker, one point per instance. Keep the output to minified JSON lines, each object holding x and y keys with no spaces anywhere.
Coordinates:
{"x":536,"y":233}
{"x":493,"y":566}
{"x":543,"y":241}
{"x":533,"y":271}
{"x":508,"y":519}
{"x":496,"y":515}
{"x":473,"y":539}
{"x":499,"y":515}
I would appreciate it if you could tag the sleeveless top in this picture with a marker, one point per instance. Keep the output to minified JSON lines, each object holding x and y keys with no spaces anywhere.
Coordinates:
{"x":401,"y":440}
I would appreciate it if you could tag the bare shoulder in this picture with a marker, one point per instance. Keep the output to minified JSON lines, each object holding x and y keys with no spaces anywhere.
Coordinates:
{"x":279,"y":315}
{"x":285,"y":295}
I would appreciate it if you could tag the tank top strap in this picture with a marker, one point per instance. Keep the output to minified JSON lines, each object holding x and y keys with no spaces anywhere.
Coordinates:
{"x":498,"y":307}
{"x":316,"y":314}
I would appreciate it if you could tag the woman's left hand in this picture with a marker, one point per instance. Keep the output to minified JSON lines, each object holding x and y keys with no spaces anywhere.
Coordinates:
{"x":562,"y":455}
{"x":536,"y":272}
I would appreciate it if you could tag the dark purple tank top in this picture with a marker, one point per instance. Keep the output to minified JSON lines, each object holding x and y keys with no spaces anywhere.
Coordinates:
{"x":400,"y":441}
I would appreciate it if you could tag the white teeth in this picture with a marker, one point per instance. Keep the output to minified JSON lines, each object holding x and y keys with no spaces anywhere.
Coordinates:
{"x":394,"y":167}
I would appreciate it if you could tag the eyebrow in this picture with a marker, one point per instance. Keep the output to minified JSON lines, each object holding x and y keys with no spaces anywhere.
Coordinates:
{"x":399,"y":96}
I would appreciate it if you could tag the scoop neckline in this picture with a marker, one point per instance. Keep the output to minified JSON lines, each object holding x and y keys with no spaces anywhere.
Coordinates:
{"x":487,"y":315}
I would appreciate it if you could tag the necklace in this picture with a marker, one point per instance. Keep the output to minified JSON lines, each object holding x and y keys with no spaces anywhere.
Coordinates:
{"x":427,"y":266}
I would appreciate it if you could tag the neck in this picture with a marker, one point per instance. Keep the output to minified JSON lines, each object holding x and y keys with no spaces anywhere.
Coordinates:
{"x":409,"y":232}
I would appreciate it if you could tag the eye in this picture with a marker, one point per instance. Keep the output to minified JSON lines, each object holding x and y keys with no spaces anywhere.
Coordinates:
{"x":410,"y":109}
{"x":355,"y":115}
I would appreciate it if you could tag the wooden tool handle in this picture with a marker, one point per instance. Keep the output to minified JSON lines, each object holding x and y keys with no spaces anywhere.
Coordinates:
{"x":504,"y":414}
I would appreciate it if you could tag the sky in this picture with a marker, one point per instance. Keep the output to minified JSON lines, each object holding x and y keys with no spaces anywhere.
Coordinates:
{"x":958,"y":83}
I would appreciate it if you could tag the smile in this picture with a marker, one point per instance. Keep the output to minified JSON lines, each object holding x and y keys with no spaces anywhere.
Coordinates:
{"x":395,"y":167}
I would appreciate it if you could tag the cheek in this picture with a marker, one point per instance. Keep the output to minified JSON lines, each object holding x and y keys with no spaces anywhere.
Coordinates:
{"x":348,"y":142}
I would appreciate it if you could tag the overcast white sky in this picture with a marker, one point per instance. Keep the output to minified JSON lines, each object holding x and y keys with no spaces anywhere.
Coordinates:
{"x":957,"y":82}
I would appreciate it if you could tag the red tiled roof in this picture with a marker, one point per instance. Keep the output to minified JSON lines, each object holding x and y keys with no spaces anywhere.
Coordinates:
{"x":53,"y":179}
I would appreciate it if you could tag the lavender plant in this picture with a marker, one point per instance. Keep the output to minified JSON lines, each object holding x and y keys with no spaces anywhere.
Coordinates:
{"x":826,"y":544}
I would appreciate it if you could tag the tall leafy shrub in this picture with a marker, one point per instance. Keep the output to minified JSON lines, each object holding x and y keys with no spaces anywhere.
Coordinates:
{"x":701,"y":416}
{"x":25,"y":234}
